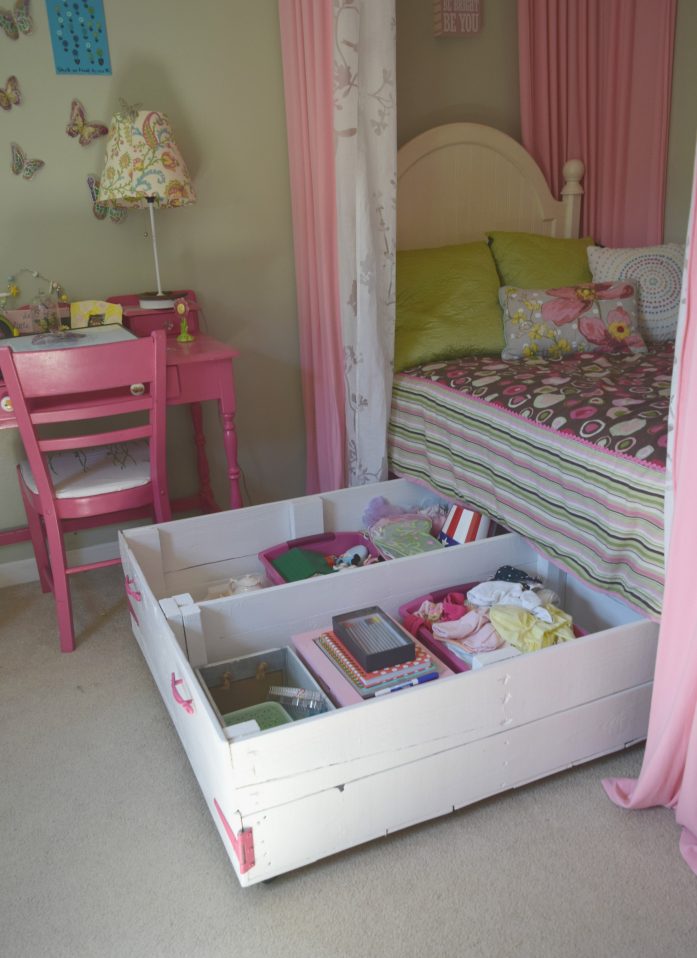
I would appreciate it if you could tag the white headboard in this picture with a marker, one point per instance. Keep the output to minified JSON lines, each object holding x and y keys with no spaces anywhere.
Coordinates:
{"x":458,"y":181}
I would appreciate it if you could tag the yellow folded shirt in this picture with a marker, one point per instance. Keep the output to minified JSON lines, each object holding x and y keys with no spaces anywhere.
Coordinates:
{"x":526,"y":632}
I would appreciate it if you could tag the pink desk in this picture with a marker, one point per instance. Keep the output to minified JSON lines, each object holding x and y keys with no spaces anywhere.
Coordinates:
{"x":196,"y":372}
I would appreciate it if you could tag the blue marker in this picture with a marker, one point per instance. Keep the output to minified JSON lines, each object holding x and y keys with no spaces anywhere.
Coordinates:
{"x":419,"y":680}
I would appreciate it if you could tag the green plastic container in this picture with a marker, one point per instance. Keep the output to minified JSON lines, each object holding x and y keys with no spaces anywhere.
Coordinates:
{"x":266,"y":715}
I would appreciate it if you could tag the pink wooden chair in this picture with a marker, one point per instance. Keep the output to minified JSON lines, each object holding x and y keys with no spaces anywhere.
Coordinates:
{"x":91,"y":478}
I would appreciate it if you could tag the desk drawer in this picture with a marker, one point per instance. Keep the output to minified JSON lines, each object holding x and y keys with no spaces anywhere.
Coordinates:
{"x":290,"y":795}
{"x":143,"y":322}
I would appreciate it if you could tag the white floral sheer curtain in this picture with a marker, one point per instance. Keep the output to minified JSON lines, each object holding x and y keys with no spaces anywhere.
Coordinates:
{"x":339,"y":78}
{"x":366,"y":185}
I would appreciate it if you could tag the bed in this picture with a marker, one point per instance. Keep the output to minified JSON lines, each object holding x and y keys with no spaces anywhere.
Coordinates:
{"x":569,"y":452}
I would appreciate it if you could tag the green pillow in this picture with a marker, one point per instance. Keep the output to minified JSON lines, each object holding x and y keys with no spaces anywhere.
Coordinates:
{"x":532,"y":261}
{"x":447,"y":304}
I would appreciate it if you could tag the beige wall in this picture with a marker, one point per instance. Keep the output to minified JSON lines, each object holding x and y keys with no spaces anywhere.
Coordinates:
{"x":683,"y":124}
{"x":447,"y":79}
{"x":441,"y":80}
{"x":218,"y":76}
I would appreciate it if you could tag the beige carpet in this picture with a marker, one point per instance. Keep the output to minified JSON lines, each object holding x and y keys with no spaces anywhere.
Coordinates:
{"x":108,"y":849}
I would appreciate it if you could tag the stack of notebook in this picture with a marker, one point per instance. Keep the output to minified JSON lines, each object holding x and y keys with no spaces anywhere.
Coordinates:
{"x":420,"y":669}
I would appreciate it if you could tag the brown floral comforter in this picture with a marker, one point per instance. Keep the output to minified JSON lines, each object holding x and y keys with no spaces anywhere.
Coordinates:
{"x":618,"y":402}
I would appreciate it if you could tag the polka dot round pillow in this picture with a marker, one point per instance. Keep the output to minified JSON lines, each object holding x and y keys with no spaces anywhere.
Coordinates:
{"x":656,"y":274}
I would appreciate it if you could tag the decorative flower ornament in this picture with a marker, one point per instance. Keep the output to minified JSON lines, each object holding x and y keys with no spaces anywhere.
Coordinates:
{"x":181,"y":308}
{"x":57,"y":288}
{"x":571,"y":302}
{"x":54,"y":287}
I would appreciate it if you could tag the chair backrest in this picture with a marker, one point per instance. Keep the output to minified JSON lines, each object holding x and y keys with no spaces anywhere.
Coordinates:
{"x":85,"y":383}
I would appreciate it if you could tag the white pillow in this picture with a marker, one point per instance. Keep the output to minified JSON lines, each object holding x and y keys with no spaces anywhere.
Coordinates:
{"x":656,"y":274}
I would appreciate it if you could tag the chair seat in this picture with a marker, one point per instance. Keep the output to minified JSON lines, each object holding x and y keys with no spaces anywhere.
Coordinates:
{"x":96,"y":470}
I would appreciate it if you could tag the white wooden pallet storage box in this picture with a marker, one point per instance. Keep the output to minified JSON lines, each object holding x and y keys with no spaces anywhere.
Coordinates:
{"x":299,"y":792}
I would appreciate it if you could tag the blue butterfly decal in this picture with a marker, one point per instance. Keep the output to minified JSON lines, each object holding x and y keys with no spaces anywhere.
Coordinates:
{"x":101,"y":210}
{"x":17,"y":20}
{"x":21,"y":166}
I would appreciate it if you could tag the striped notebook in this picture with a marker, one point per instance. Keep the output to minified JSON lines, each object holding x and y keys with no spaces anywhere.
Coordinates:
{"x":368,"y":683}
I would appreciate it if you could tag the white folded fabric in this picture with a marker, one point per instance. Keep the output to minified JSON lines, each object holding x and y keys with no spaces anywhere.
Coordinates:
{"x":498,"y":592}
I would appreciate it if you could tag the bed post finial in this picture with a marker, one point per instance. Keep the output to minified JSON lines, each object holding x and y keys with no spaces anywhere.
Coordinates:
{"x":571,"y":194}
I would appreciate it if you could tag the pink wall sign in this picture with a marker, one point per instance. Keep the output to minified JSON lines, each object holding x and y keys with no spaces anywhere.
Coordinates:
{"x":457,"y":18}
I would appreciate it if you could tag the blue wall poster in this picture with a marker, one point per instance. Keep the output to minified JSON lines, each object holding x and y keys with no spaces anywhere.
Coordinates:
{"x":78,"y":36}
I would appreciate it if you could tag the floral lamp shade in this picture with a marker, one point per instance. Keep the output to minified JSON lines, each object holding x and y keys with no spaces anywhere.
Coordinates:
{"x":143,"y":165}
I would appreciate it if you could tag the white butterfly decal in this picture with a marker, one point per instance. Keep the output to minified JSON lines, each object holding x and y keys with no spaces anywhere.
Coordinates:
{"x":21,"y":166}
{"x":101,"y":210}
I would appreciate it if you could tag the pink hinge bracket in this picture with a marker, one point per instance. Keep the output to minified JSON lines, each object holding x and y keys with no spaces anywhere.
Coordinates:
{"x":242,"y":844}
{"x":132,"y":593}
{"x":131,"y":589}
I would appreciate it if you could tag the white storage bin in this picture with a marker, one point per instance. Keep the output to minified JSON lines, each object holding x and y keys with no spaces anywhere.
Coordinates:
{"x":307,"y":789}
{"x":191,"y":555}
{"x":246,"y":681}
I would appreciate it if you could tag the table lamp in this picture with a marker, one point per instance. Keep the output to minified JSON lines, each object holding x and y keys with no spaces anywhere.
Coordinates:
{"x":143,"y":167}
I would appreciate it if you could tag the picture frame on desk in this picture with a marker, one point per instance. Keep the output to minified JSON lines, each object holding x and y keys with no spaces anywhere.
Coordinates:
{"x":94,"y":312}
{"x":23,"y":321}
{"x":143,"y":321}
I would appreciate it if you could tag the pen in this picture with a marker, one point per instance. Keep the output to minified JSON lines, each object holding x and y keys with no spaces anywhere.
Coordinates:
{"x":419,"y":680}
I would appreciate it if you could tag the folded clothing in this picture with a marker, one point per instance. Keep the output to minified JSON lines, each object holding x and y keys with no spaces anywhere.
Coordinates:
{"x":527,"y":632}
{"x":474,"y":632}
{"x":500,"y":592}
{"x":404,"y":535}
{"x":509,"y":573}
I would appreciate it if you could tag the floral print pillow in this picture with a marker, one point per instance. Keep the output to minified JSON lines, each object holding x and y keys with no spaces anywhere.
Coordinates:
{"x":551,"y":323}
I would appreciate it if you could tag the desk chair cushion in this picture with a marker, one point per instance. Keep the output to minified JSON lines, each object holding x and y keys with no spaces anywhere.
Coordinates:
{"x":95,"y":471}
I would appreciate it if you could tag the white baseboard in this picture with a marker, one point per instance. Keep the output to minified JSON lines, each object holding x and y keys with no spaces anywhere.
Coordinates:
{"x":24,"y":570}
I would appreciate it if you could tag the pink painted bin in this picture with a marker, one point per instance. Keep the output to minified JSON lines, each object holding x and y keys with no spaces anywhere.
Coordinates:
{"x":325,"y":543}
{"x":425,"y":636}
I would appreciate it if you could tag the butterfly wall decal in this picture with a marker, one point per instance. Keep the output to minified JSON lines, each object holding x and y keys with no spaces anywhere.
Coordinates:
{"x":101,"y":210}
{"x":21,"y":166}
{"x":10,"y":94}
{"x":129,"y":109}
{"x":16,"y":21}
{"x":80,"y":127}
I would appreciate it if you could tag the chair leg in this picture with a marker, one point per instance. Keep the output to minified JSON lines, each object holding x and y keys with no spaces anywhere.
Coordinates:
{"x":61,"y":584}
{"x":36,"y":532}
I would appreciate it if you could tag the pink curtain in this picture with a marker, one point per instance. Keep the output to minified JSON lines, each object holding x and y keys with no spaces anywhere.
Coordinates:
{"x":595,"y":81}
{"x":307,"y":49}
{"x":669,"y":771}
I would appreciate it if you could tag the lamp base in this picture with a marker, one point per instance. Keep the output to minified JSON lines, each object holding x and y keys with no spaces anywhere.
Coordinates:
{"x":156,"y":300}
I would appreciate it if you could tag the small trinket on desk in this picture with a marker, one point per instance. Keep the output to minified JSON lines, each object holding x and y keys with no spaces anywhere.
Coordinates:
{"x":181,"y":308}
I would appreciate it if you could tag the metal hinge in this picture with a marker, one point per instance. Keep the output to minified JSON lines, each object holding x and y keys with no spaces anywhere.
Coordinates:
{"x":242,"y":842}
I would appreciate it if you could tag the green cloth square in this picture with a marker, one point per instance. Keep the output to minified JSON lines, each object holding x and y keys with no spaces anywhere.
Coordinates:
{"x":296,"y":564}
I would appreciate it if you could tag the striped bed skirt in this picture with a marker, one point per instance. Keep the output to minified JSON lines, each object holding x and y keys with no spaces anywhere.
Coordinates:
{"x":595,"y":512}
